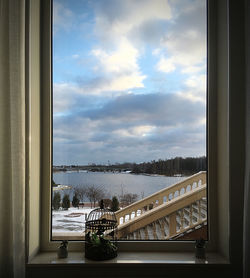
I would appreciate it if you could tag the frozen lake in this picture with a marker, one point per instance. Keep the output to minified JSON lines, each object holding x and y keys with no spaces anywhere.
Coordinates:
{"x":116,"y":184}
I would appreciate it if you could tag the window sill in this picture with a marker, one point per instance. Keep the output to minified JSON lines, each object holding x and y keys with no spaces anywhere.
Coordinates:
{"x":129,"y":264}
{"x":48,"y":258}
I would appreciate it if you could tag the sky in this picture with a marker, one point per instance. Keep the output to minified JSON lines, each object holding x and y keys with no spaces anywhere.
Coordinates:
{"x":129,"y":80}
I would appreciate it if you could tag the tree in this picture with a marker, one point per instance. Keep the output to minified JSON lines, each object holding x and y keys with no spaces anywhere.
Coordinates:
{"x":54,"y":184}
{"x":142,"y":194}
{"x":75,"y":201}
{"x":94,"y":194}
{"x":128,"y":199}
{"x":66,"y":201}
{"x":114,"y":204}
{"x":106,"y":203}
{"x":80,"y":192}
{"x":56,"y":201}
{"x":136,"y":169}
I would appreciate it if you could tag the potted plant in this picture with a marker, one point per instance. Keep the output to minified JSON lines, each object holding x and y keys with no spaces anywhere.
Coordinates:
{"x":200,"y":249}
{"x":62,"y":251}
{"x":98,"y":247}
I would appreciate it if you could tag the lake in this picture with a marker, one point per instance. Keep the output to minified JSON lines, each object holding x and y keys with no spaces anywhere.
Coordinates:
{"x":116,"y":184}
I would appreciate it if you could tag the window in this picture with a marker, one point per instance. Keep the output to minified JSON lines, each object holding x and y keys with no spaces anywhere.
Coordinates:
{"x":46,"y":244}
{"x":129,"y":99}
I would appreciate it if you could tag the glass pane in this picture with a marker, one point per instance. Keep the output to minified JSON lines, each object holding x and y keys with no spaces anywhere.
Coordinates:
{"x":129,"y":117}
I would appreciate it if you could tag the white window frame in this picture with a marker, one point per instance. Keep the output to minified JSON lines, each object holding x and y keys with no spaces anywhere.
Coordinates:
{"x":217,"y":143}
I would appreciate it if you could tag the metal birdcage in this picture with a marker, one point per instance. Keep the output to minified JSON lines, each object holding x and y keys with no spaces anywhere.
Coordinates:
{"x":100,"y":234}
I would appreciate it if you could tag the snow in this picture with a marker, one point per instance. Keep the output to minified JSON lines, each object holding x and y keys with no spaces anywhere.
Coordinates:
{"x":71,"y":220}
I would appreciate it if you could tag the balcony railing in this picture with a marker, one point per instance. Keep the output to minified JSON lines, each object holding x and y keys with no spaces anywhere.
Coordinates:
{"x":161,"y":197}
{"x":169,"y":219}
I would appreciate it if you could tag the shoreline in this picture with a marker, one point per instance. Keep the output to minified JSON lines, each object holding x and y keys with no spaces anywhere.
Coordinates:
{"x":117,"y":172}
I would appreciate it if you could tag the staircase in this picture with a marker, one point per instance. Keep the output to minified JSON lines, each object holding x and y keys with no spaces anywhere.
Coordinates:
{"x":166,"y":214}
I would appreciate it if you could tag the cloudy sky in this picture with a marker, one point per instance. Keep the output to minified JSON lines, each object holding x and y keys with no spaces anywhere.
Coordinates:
{"x":129,"y":80}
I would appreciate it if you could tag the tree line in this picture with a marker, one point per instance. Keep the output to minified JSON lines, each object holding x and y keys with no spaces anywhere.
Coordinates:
{"x":170,"y":167}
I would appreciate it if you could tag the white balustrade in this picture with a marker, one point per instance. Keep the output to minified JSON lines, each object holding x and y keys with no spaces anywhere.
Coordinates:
{"x":161,"y":197}
{"x":169,"y":220}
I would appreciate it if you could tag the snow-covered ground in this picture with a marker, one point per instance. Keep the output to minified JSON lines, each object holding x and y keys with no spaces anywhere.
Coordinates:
{"x":71,"y":220}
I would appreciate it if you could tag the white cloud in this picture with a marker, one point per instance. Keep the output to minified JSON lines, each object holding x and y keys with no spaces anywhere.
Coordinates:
{"x":186,"y":49}
{"x":136,"y":131}
{"x":121,"y":67}
{"x":63,"y":97}
{"x":123,"y":59}
{"x":180,"y":44}
{"x":125,"y":82}
{"x":185,"y":42}
{"x":115,"y":19}
{"x":196,"y":88}
{"x":143,"y":130}
{"x":193,"y":69}
{"x":165,"y":65}
{"x":114,"y":86}
{"x":197,"y":81}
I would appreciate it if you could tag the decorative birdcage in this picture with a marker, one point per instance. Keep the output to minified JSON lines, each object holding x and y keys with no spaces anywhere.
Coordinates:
{"x":100,"y":234}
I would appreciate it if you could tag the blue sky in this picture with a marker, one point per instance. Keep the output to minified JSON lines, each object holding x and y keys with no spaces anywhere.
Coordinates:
{"x":129,"y":80}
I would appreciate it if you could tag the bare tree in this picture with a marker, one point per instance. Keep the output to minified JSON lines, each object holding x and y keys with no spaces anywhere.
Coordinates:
{"x":80,"y":192}
{"x":142,"y":194}
{"x":128,"y":198}
{"x":94,"y":194}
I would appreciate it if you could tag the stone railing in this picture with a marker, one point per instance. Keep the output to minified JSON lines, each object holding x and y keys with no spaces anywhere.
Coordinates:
{"x":161,"y":197}
{"x":186,"y":218}
{"x":173,"y":210}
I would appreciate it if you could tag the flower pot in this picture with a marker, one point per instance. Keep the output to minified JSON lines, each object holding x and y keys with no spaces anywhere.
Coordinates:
{"x":200,"y":252}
